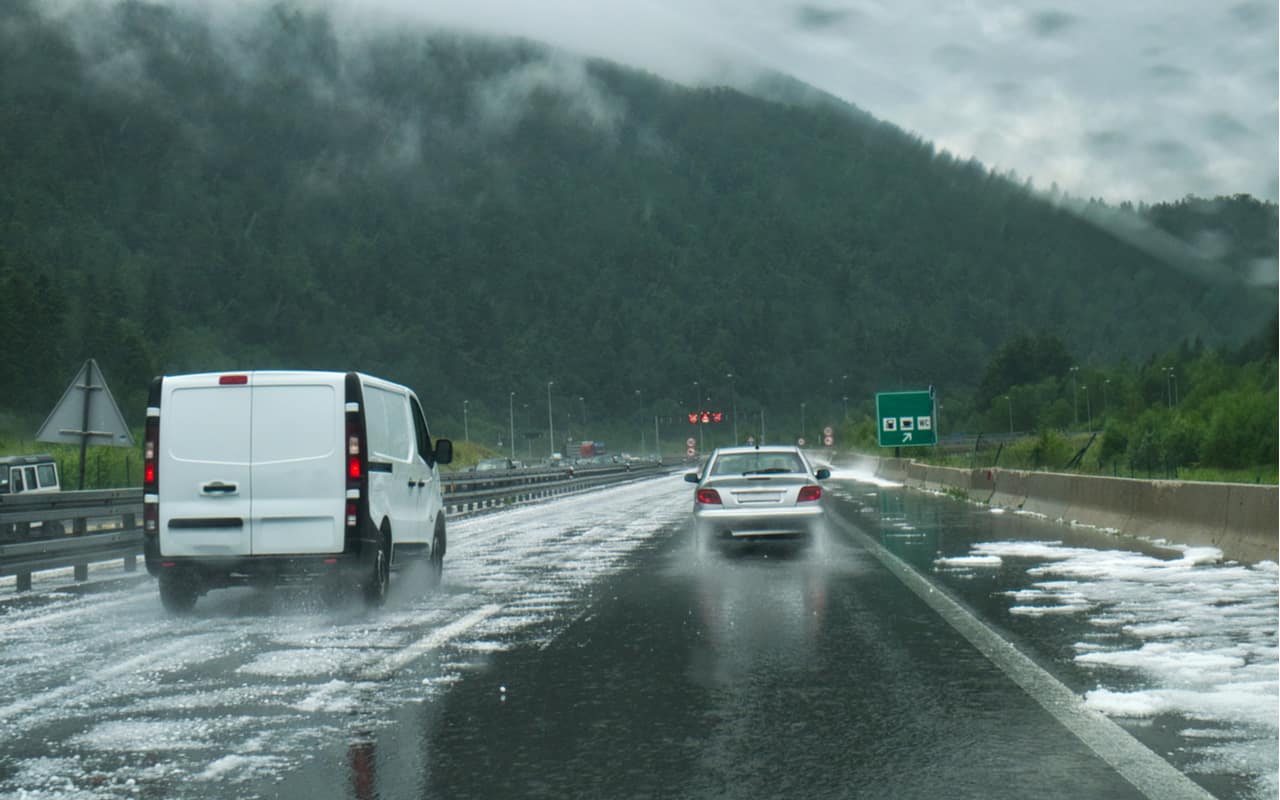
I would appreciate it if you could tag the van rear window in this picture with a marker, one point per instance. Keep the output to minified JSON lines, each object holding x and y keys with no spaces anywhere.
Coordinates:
{"x":48,"y":475}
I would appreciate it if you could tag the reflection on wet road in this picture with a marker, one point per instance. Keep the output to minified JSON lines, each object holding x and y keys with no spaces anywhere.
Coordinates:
{"x":586,"y":648}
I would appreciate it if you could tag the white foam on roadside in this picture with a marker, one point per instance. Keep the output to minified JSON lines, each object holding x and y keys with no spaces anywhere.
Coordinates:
{"x":1199,"y":637}
{"x":862,"y":476}
{"x":967,"y":562}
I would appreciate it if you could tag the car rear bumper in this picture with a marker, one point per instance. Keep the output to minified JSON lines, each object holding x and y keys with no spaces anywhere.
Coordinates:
{"x":759,"y":523}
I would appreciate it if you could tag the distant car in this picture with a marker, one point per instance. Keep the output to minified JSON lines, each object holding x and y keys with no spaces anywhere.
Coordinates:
{"x":490,"y":464}
{"x":758,"y":494}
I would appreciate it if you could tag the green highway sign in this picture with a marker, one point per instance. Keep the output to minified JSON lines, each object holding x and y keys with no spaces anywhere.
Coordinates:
{"x":905,"y":419}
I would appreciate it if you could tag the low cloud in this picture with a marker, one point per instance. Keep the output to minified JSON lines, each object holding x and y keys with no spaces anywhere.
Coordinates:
{"x":503,"y":101}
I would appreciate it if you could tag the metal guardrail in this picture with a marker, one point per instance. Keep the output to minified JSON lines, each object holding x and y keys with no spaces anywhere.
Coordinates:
{"x":71,"y":529}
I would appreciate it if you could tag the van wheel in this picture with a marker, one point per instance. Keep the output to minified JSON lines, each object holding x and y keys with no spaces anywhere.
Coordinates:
{"x":379,"y":578}
{"x":436,"y":566}
{"x":178,"y":591}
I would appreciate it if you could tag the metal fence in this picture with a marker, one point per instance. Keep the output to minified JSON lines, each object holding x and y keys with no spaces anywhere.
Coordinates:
{"x":73,"y":529}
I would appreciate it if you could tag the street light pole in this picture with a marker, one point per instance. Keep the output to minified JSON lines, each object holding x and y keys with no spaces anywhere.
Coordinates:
{"x":511,"y":413}
{"x":640,"y":417}
{"x":1087,"y":406}
{"x":466,"y":431}
{"x":1010,"y":402}
{"x":733,"y":408}
{"x":528,"y":438}
{"x":551,"y":423}
{"x":1075,"y":401}
{"x":802,"y":420}
{"x":1105,"y":384}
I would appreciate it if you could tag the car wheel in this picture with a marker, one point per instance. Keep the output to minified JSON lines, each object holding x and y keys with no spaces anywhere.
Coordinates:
{"x":379,"y":577}
{"x":178,"y":591}
{"x":435,"y":568}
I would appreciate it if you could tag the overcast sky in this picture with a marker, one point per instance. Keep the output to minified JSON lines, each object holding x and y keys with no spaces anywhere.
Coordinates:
{"x":1122,"y":99}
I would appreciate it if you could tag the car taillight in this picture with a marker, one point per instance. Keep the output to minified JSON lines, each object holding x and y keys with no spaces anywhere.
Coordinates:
{"x":708,"y":497}
{"x":809,"y":493}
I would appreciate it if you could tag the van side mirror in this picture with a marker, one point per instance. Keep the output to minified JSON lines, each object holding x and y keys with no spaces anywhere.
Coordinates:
{"x":822,"y":474}
{"x":691,"y":477}
{"x":444,"y":451}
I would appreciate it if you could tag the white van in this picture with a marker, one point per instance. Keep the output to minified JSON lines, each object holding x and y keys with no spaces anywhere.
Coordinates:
{"x":262,"y":477}
{"x":34,"y":474}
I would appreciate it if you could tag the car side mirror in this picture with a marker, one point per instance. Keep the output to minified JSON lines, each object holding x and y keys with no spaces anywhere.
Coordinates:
{"x":691,"y":477}
{"x":822,"y":474}
{"x":444,"y":451}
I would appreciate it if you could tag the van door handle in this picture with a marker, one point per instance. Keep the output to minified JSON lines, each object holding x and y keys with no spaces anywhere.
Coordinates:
{"x":417,"y":483}
{"x":218,"y":487}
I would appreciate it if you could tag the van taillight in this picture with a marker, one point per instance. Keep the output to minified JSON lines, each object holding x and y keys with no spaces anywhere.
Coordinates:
{"x":150,"y":451}
{"x":151,"y":469}
{"x":233,"y":380}
{"x":355,"y":469}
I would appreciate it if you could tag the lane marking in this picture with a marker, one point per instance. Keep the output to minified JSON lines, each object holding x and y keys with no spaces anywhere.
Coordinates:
{"x":83,"y":608}
{"x":437,"y":638}
{"x":1135,"y":762}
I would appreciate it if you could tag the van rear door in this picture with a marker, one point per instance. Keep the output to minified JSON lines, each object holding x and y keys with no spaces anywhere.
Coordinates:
{"x":298,"y":477}
{"x":205,"y":454}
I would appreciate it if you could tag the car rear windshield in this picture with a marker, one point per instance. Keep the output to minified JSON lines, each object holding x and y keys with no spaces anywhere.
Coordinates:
{"x":757,"y":464}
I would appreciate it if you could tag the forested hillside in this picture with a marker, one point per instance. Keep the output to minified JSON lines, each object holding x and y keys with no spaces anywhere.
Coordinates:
{"x":476,"y":217}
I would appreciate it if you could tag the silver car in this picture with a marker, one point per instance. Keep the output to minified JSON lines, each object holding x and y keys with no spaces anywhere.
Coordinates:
{"x":758,"y":494}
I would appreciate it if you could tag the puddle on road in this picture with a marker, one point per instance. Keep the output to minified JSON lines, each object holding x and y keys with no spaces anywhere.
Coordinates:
{"x":1175,"y":645}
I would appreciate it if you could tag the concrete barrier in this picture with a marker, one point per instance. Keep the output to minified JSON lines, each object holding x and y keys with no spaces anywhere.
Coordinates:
{"x":916,"y":474}
{"x":982,"y":484}
{"x":1110,"y":503}
{"x":892,"y":469}
{"x":1010,"y":489}
{"x":1253,"y":513}
{"x":940,"y":479}
{"x":1241,"y":520}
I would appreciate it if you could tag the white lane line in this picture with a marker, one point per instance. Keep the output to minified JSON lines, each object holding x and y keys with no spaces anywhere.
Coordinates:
{"x":166,"y":657}
{"x":437,"y":638}
{"x":84,"y":608}
{"x":1136,"y":763}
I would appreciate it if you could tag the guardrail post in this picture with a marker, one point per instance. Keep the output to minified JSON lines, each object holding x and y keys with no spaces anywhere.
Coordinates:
{"x":130,"y":522}
{"x":81,"y":526}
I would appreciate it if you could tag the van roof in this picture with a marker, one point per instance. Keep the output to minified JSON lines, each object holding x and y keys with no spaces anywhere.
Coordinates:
{"x":34,"y":458}
{"x":326,"y":376}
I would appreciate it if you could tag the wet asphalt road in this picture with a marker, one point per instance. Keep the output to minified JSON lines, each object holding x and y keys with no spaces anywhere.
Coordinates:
{"x":581,"y":649}
{"x":760,"y":674}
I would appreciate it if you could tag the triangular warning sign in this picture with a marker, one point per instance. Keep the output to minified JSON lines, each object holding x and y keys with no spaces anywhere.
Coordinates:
{"x":87,"y":413}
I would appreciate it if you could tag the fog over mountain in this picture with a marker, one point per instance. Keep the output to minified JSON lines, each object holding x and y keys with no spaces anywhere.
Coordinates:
{"x":1137,"y":101}
{"x":194,"y":187}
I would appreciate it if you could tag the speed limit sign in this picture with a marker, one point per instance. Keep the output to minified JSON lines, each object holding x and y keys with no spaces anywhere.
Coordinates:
{"x":691,"y":442}
{"x":690,"y":452}
{"x":828,"y":432}
{"x":828,"y":440}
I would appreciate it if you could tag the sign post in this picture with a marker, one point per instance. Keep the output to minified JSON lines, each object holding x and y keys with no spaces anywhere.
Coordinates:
{"x":87,"y":414}
{"x":906,"y":419}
